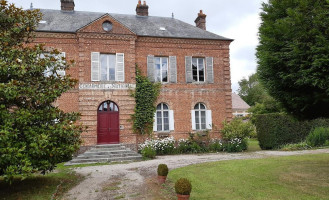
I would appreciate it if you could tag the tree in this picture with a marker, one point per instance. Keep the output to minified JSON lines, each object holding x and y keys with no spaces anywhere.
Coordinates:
{"x":253,"y":93}
{"x":34,"y":134}
{"x":293,"y":55}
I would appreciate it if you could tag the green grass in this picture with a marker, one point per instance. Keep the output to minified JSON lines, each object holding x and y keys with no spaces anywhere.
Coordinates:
{"x":253,"y":145}
{"x":293,"y":178}
{"x":40,"y":187}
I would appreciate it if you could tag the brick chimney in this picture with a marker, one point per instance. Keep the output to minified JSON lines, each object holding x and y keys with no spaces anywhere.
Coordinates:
{"x":200,"y":21}
{"x":67,"y":5}
{"x":142,"y":9}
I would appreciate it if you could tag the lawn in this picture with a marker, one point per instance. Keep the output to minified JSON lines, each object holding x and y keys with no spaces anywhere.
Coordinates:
{"x":40,"y":187}
{"x":293,"y":177}
{"x":253,"y":145}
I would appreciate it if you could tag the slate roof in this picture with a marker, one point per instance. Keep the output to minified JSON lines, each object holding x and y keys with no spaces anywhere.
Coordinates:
{"x":238,"y":103}
{"x":71,"y":22}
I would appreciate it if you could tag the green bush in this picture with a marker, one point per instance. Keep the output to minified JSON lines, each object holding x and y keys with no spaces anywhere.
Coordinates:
{"x":163,"y":170}
{"x":318,"y":137}
{"x":236,"y":145}
{"x":276,"y":130}
{"x":148,"y":152}
{"x":298,"y":146}
{"x":183,"y":186}
{"x":237,"y":129}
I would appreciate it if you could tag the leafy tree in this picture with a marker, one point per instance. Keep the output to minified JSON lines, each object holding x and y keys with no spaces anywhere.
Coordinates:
{"x":253,"y":93}
{"x":34,"y":134}
{"x":293,"y":55}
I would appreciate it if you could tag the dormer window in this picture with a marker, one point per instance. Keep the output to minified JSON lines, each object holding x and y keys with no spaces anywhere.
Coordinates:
{"x":107,"y":26}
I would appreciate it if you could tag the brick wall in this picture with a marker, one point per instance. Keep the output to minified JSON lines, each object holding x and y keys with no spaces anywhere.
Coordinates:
{"x":181,"y":97}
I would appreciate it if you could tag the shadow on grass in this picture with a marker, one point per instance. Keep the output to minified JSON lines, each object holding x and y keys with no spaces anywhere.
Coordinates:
{"x":37,"y":187}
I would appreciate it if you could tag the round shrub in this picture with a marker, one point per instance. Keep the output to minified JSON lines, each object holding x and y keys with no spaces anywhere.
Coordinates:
{"x":183,"y":186}
{"x":163,"y":170}
{"x":318,"y":137}
{"x":148,"y":152}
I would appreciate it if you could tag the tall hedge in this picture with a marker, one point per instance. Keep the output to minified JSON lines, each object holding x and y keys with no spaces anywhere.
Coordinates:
{"x":274,"y":130}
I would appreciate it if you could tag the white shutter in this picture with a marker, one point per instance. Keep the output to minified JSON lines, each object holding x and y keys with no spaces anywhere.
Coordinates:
{"x":171,"y":120}
{"x":61,"y":72}
{"x":95,"y":63}
{"x":208,"y":120}
{"x":193,"y":119}
{"x":155,"y":122}
{"x":120,"y":67}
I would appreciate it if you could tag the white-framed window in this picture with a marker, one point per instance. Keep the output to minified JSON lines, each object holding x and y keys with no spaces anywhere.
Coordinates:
{"x":161,"y":69}
{"x":49,"y":71}
{"x":107,"y":64}
{"x":163,"y":118}
{"x":198,"y":68}
{"x":107,"y":67}
{"x":201,"y":117}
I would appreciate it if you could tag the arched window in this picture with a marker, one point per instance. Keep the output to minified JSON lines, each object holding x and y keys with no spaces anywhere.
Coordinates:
{"x":200,"y":116}
{"x":108,"y":106}
{"x":162,"y":117}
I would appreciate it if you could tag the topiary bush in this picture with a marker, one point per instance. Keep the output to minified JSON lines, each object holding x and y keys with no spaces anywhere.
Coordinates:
{"x":163,"y":170}
{"x":237,"y":129}
{"x":318,"y":137}
{"x":183,"y":186}
{"x":275,"y":130}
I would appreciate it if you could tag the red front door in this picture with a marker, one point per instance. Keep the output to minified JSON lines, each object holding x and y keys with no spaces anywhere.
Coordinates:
{"x":108,"y":123}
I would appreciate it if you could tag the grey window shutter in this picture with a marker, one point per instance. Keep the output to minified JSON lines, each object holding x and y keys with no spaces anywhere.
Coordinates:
{"x":188,"y":69}
{"x":95,"y":72}
{"x":210,"y":69}
{"x":150,"y":68}
{"x":173,"y":69}
{"x":120,"y":67}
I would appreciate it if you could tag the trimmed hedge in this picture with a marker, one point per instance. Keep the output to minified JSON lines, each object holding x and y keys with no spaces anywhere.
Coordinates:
{"x":275,"y":130}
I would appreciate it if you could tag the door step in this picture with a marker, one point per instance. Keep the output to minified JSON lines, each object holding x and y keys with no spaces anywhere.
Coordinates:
{"x":105,"y":154}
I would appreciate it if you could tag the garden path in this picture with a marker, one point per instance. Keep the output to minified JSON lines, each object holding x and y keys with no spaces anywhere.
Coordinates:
{"x":129,"y":181}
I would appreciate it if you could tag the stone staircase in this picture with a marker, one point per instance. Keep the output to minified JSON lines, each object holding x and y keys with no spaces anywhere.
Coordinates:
{"x":105,"y":153}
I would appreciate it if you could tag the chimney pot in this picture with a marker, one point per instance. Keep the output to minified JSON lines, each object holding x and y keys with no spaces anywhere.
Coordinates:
{"x":200,"y":21}
{"x":142,"y":10}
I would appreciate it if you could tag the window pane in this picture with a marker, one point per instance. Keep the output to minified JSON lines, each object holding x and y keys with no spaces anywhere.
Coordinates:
{"x":159,"y":107}
{"x":197,"y":127}
{"x":158,"y":73}
{"x":196,"y":107}
{"x":112,"y":61}
{"x":164,"y":64}
{"x":105,"y":106}
{"x":100,"y":108}
{"x":164,"y":76}
{"x":201,"y":69}
{"x":165,"y":114}
{"x":202,"y":106}
{"x":197,"y":117}
{"x":103,"y":67}
{"x":157,"y":60}
{"x":203,"y":117}
{"x":203,"y":126}
{"x":165,"y":107}
{"x":195,"y":72}
{"x":166,"y":127}
{"x":116,"y":108}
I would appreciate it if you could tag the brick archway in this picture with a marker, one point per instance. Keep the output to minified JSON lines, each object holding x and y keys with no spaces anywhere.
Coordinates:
{"x":108,"y":131}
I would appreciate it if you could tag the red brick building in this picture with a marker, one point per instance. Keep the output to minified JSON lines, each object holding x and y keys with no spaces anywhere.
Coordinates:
{"x":191,"y":63}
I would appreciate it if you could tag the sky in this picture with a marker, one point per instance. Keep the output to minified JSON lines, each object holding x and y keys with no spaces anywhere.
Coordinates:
{"x":235,"y":19}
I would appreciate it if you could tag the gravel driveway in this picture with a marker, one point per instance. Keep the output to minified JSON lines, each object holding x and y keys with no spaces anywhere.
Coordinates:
{"x":127,"y":181}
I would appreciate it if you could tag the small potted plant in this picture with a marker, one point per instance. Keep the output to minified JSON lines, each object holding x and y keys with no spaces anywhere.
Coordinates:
{"x":162,"y":173}
{"x":183,"y":189}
